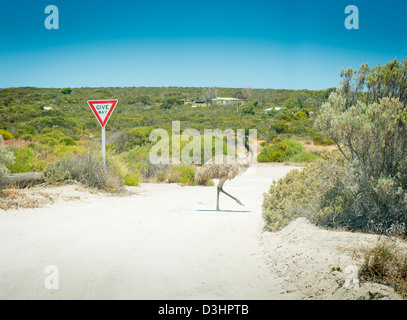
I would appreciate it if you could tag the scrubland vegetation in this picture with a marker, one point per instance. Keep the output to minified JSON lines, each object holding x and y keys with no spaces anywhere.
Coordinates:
{"x":363,"y":185}
{"x":53,"y":130}
{"x":359,"y":186}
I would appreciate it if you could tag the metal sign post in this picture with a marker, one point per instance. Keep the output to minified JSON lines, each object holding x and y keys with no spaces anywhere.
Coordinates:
{"x":102,"y":110}
{"x":104,"y":146}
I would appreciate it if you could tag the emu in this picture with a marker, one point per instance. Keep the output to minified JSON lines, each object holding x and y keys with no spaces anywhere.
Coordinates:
{"x":224,"y":168}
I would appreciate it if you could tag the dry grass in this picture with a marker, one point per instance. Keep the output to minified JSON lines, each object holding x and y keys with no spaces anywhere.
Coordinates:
{"x":14,"y":199}
{"x":386,"y":264}
{"x":85,"y":168}
{"x":317,"y":149}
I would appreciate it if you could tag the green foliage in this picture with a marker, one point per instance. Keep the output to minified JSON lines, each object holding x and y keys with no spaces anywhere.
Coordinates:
{"x":50,"y":138}
{"x":271,"y":154}
{"x":53,"y":122}
{"x":140,"y":107}
{"x":138,"y":136}
{"x":169,"y":102}
{"x":130,"y":176}
{"x":24,"y":160}
{"x":364,"y":187}
{"x":319,"y":141}
{"x":285,"y":150}
{"x":280,"y":128}
{"x":373,"y":139}
{"x":30,"y":130}
{"x":56,"y":119}
{"x":249,"y":108}
{"x":183,"y":173}
{"x":7,"y":158}
{"x":309,"y":193}
{"x":303,"y":157}
{"x":272,"y":113}
{"x":6,"y":135}
{"x":67,"y":141}
{"x":283,"y":117}
{"x":132,"y":179}
{"x":63,"y":150}
{"x":66,"y":90}
{"x":300,"y":115}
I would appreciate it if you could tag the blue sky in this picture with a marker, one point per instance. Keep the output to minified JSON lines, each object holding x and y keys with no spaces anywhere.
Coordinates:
{"x":258,"y":44}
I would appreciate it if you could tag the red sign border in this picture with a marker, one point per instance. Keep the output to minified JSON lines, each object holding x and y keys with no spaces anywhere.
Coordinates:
{"x":92,"y":107}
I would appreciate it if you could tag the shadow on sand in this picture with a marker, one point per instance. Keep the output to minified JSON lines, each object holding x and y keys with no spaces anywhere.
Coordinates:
{"x":237,"y":211}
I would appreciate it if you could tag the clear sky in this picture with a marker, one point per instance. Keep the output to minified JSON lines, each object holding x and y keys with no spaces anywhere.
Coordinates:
{"x":255,"y":43}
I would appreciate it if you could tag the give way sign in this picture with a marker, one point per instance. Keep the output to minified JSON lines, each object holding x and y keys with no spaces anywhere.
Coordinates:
{"x":102,"y":109}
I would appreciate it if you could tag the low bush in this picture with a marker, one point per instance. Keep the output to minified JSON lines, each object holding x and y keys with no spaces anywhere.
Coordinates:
{"x":6,"y":158}
{"x":304,"y":157}
{"x":327,"y":192}
{"x":67,"y":141}
{"x":85,"y":168}
{"x":6,"y":135}
{"x":24,"y":160}
{"x":285,"y":150}
{"x":319,"y":141}
{"x":280,"y":128}
{"x":301,"y":194}
{"x":130,"y":176}
{"x":183,"y":173}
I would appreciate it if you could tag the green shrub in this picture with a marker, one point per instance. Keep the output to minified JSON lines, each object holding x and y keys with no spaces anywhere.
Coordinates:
{"x":301,"y":115}
{"x":280,"y":128}
{"x":67,"y":141}
{"x":24,"y":160}
{"x":285,"y":150}
{"x":131,"y":176}
{"x":276,"y":140}
{"x":319,"y":141}
{"x":63,"y":150}
{"x":284,"y":117}
{"x":271,"y":154}
{"x":6,"y":135}
{"x":327,"y":193}
{"x":132,"y":179}
{"x":248,"y":109}
{"x":50,"y":138}
{"x":66,"y":91}
{"x":306,"y":193}
{"x":303,"y":157}
{"x":370,"y":126}
{"x":183,"y":173}
{"x":26,"y":137}
{"x":6,"y":158}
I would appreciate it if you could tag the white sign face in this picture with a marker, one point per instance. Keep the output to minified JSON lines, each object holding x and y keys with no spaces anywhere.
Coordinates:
{"x":102,"y":109}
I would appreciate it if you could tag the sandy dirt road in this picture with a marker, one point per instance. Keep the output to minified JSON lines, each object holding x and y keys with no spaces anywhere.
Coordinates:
{"x":166,"y":242}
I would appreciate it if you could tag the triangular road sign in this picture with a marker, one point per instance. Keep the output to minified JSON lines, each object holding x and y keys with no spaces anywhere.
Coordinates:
{"x":102,"y":109}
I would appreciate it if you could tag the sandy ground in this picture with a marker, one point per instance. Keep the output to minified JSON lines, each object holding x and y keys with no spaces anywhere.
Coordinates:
{"x":165,"y":241}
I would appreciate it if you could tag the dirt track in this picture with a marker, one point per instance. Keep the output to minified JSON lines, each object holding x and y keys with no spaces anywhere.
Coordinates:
{"x":166,"y":242}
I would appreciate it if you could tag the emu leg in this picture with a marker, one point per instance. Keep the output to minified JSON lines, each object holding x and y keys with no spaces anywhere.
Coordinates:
{"x":236,"y":199}
{"x":217,"y":199}
{"x":220,"y":189}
